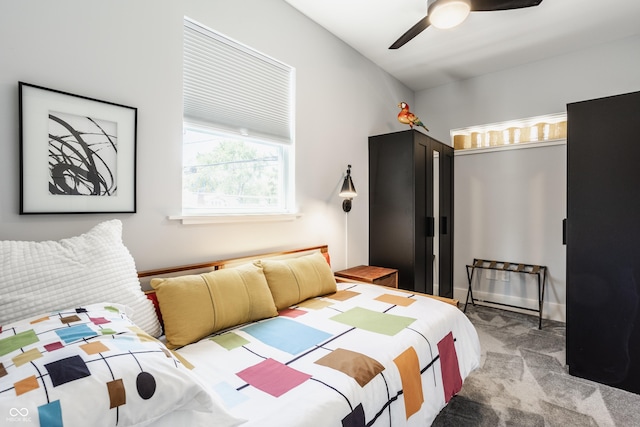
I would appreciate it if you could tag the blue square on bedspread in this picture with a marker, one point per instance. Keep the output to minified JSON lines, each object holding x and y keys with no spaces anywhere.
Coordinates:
{"x":286,"y":335}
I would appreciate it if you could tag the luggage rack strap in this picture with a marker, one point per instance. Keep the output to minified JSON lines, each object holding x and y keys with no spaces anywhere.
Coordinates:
{"x":517,"y":267}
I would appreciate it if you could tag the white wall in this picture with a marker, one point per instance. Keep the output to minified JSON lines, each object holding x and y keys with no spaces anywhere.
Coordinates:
{"x":509,"y":205}
{"x":130,"y":52}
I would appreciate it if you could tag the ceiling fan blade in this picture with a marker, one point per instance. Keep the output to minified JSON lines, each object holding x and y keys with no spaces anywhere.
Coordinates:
{"x":476,"y":6}
{"x":411,"y":33}
{"x":492,"y":5}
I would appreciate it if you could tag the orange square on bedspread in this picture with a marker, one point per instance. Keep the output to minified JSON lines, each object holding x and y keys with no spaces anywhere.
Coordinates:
{"x":409,"y":367}
{"x":25,"y":385}
{"x":396,"y":300}
{"x":343,"y":295}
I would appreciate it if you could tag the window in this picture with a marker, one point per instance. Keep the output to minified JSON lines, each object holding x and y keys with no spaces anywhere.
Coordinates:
{"x":238,"y":146}
{"x":224,"y":173}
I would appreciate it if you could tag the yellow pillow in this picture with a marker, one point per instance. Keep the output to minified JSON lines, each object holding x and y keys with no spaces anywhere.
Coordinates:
{"x":195,"y":306}
{"x":297,"y":279}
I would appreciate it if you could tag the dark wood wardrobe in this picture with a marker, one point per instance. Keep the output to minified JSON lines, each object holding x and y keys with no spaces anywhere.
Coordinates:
{"x":411,"y":209}
{"x":603,"y":240}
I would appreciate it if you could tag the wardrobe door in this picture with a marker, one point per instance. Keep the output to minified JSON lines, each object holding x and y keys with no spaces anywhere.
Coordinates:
{"x":603,"y":240}
{"x":423,"y":214}
{"x":445,"y":220}
{"x":391,"y":205}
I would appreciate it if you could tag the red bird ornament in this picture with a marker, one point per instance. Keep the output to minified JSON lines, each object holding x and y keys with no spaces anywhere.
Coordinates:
{"x":408,"y":118}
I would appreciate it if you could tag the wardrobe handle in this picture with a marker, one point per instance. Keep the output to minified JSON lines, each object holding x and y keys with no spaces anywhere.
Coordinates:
{"x":443,"y":225}
{"x":430,"y":226}
{"x":564,"y":231}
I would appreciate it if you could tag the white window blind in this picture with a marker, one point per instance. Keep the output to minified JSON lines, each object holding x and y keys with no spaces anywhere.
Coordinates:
{"x":234,"y":88}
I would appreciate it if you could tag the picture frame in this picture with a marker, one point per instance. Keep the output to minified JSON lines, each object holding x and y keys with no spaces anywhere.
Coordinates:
{"x":77,"y":154}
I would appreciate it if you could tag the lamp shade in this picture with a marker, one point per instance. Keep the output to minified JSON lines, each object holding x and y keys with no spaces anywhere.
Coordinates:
{"x":348,"y":189}
{"x":446,"y":14}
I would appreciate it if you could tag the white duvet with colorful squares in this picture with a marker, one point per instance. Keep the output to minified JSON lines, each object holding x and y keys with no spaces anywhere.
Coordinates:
{"x":364,"y":356}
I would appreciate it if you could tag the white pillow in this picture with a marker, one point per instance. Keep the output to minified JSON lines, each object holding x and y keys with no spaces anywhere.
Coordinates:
{"x":36,"y":277}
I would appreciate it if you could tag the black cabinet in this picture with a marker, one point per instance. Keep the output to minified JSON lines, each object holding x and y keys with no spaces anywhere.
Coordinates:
{"x":411,"y":209}
{"x":603,"y":240}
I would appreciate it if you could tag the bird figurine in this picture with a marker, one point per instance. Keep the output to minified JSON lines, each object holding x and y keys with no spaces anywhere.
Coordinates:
{"x":408,"y":118}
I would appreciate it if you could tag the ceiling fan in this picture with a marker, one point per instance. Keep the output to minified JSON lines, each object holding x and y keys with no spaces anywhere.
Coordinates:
{"x":449,"y":13}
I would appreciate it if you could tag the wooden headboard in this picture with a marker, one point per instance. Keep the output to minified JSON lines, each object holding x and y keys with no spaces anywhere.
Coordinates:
{"x":181,"y":270}
{"x":146,"y":276}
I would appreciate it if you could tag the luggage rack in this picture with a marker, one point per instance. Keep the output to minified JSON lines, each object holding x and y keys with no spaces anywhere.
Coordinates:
{"x":514,"y":267}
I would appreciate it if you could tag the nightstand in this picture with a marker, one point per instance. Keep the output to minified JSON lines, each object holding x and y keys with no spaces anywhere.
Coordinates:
{"x":370,"y":274}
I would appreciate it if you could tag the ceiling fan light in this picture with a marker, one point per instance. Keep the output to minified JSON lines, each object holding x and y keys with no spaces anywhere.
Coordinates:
{"x":446,"y":14}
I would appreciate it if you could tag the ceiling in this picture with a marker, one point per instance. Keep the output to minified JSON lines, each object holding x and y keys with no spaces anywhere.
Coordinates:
{"x":486,"y":42}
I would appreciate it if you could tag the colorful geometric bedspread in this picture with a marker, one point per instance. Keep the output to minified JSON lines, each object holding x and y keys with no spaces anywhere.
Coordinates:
{"x":90,"y":366}
{"x":364,"y":356}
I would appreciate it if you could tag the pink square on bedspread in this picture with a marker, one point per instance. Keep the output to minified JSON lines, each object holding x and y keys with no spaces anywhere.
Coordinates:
{"x":273,"y":377}
{"x":99,"y":320}
{"x":291,"y":312}
{"x":54,"y":346}
{"x":451,"y":379}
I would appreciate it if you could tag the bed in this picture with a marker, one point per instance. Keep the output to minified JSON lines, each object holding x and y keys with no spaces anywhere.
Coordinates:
{"x":265,"y":340}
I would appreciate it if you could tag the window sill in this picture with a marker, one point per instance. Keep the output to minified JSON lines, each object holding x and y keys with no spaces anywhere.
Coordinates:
{"x":225,"y":219}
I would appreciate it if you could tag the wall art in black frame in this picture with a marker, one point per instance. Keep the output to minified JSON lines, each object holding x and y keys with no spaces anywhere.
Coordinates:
{"x":77,"y":154}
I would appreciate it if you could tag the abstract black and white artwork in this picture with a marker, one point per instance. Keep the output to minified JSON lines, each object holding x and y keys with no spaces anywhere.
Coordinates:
{"x":82,"y":155}
{"x":77,"y":154}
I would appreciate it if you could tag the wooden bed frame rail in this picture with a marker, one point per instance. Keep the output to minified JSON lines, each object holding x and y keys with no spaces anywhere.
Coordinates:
{"x":146,"y":276}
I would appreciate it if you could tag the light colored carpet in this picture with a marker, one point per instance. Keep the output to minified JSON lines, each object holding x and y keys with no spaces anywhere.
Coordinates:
{"x":523,"y":381}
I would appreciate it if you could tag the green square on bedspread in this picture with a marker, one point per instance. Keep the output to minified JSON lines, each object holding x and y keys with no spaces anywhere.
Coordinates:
{"x":230,"y":340}
{"x":373,"y":321}
{"x":19,"y":340}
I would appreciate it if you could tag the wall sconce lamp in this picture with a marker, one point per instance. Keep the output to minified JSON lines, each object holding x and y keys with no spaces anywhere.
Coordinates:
{"x":348,"y":191}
